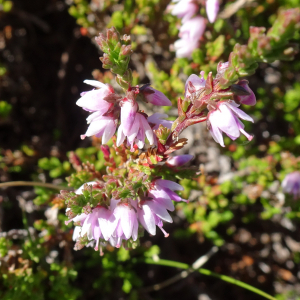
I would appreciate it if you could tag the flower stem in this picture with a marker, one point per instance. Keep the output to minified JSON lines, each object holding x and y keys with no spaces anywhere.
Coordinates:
{"x":34,"y":183}
{"x":170,"y":263}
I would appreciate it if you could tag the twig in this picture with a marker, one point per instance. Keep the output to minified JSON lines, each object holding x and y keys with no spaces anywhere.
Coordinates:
{"x":195,"y":266}
{"x":35,"y":183}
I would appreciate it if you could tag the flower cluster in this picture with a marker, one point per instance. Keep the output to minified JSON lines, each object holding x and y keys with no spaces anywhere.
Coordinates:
{"x":119,"y":220}
{"x":223,"y":114}
{"x":134,"y":195}
{"x":108,"y":109}
{"x":193,"y":26}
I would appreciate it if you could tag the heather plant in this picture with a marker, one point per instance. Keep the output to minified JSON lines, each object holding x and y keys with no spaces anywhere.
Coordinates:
{"x":131,"y":180}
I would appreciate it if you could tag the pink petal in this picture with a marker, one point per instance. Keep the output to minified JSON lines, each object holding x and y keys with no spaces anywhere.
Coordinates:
{"x":147,"y":219}
{"x":93,"y":100}
{"x":157,"y":98}
{"x":159,"y":210}
{"x":109,"y":131}
{"x":128,"y":113}
{"x":169,"y":184}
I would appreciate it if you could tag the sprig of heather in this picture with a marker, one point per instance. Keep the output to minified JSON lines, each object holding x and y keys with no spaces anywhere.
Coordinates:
{"x":216,"y":100}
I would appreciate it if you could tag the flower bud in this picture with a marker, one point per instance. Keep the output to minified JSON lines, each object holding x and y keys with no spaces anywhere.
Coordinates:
{"x":180,"y":160}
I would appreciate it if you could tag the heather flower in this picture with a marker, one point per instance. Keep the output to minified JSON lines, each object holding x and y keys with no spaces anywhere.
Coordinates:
{"x":93,"y":100}
{"x":128,"y":113}
{"x":226,"y":119}
{"x":158,"y":119}
{"x":212,"y":9}
{"x":180,"y":160}
{"x":124,"y":222}
{"x":190,"y":33}
{"x":104,"y":127}
{"x":137,"y":133}
{"x":155,"y":97}
{"x":95,"y":225}
{"x":153,"y":212}
{"x":291,"y":184}
{"x":246,"y":99}
{"x":192,"y":29}
{"x":183,"y":9}
{"x":194,"y":83}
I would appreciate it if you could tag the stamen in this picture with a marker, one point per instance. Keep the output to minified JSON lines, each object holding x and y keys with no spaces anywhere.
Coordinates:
{"x":164,"y":232}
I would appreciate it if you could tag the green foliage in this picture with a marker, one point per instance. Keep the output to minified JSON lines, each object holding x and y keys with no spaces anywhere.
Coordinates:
{"x":6,"y":6}
{"x":5,"y":109}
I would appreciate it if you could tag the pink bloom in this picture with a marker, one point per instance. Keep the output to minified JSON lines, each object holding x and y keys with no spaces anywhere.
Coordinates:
{"x":180,"y":160}
{"x":190,"y":33}
{"x":93,"y":100}
{"x":100,"y":126}
{"x":291,"y":184}
{"x":104,"y":127}
{"x":192,"y":29}
{"x":156,"y":97}
{"x":194,"y":83}
{"x":226,"y":119}
{"x":247,"y":99}
{"x":128,"y":113}
{"x":185,"y":47}
{"x":168,"y":187}
{"x":158,"y":118}
{"x":153,"y":212}
{"x":212,"y":9}
{"x":96,"y":225}
{"x":137,"y":133}
{"x":183,"y":9}
{"x":125,"y":223}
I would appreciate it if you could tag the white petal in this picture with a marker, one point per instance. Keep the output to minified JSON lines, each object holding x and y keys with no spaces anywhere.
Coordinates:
{"x":121,"y":136}
{"x":95,"y":83}
{"x":148,"y":130}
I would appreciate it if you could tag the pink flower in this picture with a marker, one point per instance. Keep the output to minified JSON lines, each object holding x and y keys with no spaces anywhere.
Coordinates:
{"x":212,"y":9}
{"x":183,"y":9}
{"x":153,"y":212}
{"x":190,"y":33}
{"x":194,"y":83}
{"x":96,"y":225}
{"x":93,"y":100}
{"x":180,"y":160}
{"x":155,"y":97}
{"x":158,"y":118}
{"x":125,"y":222}
{"x":291,"y":184}
{"x":137,"y":133}
{"x":226,"y":119}
{"x":247,"y":99}
{"x":104,"y":127}
{"x":128,"y":113}
{"x":192,"y":29}
{"x":168,"y":187}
